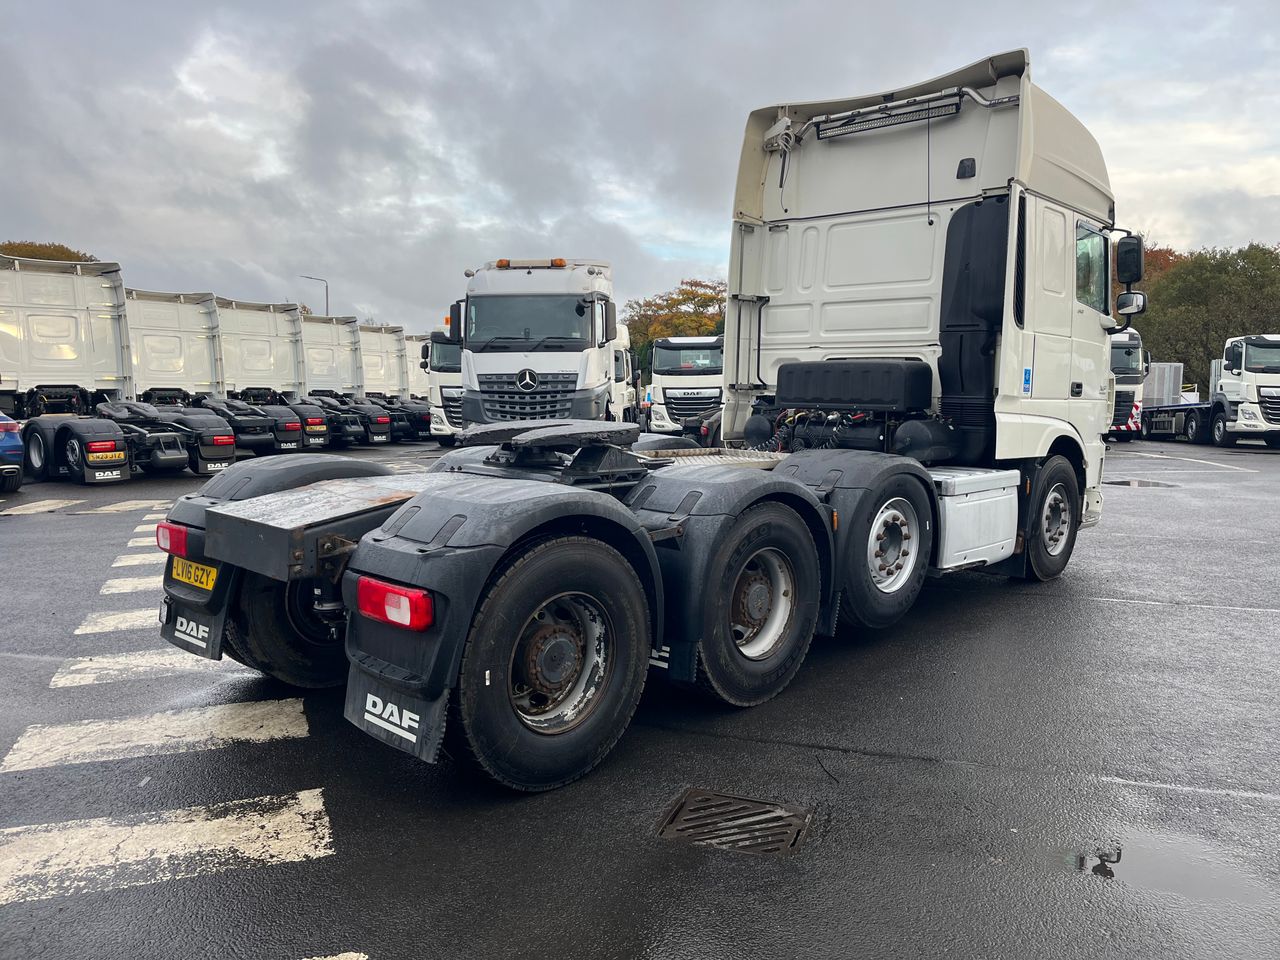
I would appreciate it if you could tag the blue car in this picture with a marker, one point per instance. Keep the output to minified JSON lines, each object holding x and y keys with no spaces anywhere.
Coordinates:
{"x":10,"y":456}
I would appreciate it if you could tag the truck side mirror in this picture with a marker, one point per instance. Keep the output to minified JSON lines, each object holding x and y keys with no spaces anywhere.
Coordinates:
{"x":1131,"y":303}
{"x":610,"y":321}
{"x":1129,"y":260}
{"x":425,"y":352}
{"x":455,"y":322}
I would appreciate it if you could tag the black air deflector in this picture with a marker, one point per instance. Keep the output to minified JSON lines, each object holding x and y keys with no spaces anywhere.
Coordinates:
{"x":890,"y":386}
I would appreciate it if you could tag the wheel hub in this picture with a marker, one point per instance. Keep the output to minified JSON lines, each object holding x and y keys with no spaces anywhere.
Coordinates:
{"x":890,"y":547}
{"x":553,"y":659}
{"x":755,"y":598}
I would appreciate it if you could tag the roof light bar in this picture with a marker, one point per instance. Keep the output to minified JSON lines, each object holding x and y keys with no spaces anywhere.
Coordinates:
{"x":828,"y":130}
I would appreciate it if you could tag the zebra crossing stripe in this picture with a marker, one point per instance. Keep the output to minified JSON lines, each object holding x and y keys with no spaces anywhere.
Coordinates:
{"x":125,"y":506}
{"x":38,"y":506}
{"x":156,"y":734}
{"x":142,"y":541}
{"x":137,"y":559}
{"x":145,"y":528}
{"x":132,"y":584}
{"x":137,"y":665}
{"x":121,"y":620}
{"x":49,"y":860}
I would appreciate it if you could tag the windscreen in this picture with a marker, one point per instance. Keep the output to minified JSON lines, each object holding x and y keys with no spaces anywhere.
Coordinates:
{"x":553,"y":322}
{"x":688,"y":361}
{"x":446,"y":357}
{"x":1126,"y":358}
{"x":1262,"y":358}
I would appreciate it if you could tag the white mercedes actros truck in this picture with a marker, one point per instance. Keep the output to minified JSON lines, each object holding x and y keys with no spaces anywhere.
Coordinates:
{"x":687,"y":376}
{"x":917,"y":355}
{"x":537,"y":341}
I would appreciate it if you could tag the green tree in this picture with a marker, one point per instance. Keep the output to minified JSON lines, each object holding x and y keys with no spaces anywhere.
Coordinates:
{"x":695,"y":308}
{"x":36,"y":250}
{"x":1203,"y":298}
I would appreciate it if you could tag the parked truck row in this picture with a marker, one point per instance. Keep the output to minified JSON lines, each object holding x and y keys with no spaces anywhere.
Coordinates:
{"x":913,"y":386}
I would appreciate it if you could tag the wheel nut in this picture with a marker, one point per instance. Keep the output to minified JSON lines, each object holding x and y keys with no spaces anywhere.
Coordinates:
{"x":879,"y":537}
{"x":898,"y":566}
{"x":906,"y":536}
{"x":906,"y":553}
{"x":879,"y":553}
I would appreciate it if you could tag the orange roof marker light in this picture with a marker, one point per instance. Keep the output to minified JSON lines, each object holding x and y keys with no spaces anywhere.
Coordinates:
{"x":503,"y":264}
{"x":558,"y":262}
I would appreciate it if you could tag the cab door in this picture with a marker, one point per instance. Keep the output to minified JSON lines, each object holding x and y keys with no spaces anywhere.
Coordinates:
{"x":1091,"y":386}
{"x":1231,"y":382}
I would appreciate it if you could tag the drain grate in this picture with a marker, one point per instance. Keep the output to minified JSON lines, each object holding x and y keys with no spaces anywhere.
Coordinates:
{"x":736,"y":823}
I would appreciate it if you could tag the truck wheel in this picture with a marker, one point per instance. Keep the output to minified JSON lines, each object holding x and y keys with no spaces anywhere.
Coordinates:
{"x":1054,"y":519}
{"x":37,"y":455}
{"x":1145,"y":430}
{"x":1272,"y":441}
{"x":889,"y":549}
{"x":73,"y":453}
{"x":1222,"y":437}
{"x":554,"y":665}
{"x":761,"y":607}
{"x":1191,"y":428}
{"x":273,"y":628}
{"x":11,"y":482}
{"x":447,"y":440}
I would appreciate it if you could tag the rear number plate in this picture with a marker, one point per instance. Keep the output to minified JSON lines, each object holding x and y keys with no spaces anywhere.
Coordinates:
{"x":196,"y":574}
{"x":316,"y":429}
{"x":113,"y":457}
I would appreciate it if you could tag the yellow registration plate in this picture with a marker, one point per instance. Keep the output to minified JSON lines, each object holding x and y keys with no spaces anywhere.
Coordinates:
{"x":113,"y":457}
{"x":196,"y":574}
{"x":316,"y":428}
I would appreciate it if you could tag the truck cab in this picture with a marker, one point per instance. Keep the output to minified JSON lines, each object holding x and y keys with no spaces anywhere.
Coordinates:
{"x":625,"y":378}
{"x":1246,"y":391}
{"x":442,"y":360}
{"x":687,"y":374}
{"x":1129,"y":365}
{"x":537,"y":341}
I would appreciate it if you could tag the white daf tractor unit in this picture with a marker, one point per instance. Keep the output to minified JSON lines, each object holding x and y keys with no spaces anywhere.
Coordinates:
{"x":1129,"y":365}
{"x":442,"y":366}
{"x":626,"y":379}
{"x":687,"y":377}
{"x":537,"y":341}
{"x":917,"y":367}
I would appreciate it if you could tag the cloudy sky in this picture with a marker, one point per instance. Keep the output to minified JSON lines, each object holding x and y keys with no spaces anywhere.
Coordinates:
{"x":389,"y":145}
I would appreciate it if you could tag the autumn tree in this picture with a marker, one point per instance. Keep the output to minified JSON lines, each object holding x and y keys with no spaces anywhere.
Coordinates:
{"x":35,"y":250}
{"x":695,"y":308}
{"x":1206,"y":297}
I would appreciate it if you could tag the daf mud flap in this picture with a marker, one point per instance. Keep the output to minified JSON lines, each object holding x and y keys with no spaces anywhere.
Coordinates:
{"x":111,"y":474}
{"x":384,"y":703}
{"x":193,"y":619}
{"x":206,"y":467}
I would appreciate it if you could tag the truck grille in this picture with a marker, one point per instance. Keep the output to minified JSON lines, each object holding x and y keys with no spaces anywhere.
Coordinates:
{"x":453,"y":408}
{"x":681,"y":407}
{"x":1270,"y":404}
{"x":1123,"y":408}
{"x":552,"y":398}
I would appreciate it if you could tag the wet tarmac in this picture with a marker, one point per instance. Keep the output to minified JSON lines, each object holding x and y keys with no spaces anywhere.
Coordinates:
{"x":1083,"y":768}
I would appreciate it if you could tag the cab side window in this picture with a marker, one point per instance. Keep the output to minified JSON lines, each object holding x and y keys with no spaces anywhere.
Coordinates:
{"x":619,"y":366}
{"x":1092,"y":265}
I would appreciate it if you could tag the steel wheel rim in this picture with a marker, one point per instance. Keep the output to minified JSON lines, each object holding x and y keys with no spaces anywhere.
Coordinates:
{"x":1189,"y":428}
{"x":762,"y":603}
{"x":1055,"y":520}
{"x":1219,"y":428}
{"x":73,"y":453}
{"x":35,"y":451}
{"x":891,"y":553}
{"x":561,"y":663}
{"x":306,"y":621}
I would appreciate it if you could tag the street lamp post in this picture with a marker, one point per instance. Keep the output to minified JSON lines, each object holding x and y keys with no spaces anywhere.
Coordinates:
{"x":326,"y":289}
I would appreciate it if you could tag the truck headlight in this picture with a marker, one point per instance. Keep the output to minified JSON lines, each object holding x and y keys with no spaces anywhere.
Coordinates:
{"x":1247,"y":414}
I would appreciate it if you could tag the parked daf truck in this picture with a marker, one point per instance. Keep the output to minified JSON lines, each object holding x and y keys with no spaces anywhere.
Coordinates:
{"x":537,"y":341}
{"x":918,"y":378}
{"x":1244,"y":398}
{"x":1129,"y":365}
{"x":624,"y":401}
{"x":687,"y":377}
{"x":442,"y":364}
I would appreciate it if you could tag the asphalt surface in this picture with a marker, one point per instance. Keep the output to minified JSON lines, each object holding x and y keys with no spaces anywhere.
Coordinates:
{"x":1084,"y":768}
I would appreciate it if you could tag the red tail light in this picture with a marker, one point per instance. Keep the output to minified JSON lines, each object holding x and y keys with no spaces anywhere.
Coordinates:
{"x":381,"y":419}
{"x":296,"y":425}
{"x":398,"y":606}
{"x":8,"y":426}
{"x":315,"y":421}
{"x":224,"y":441}
{"x":100,"y":446}
{"x":171,"y":538}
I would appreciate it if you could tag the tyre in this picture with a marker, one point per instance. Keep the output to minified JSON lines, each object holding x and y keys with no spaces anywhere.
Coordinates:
{"x":553,"y":667}
{"x":1054,"y":514}
{"x":11,"y":482}
{"x":73,"y":455}
{"x":1145,"y":431}
{"x":272,"y":627}
{"x":1123,"y":437}
{"x":761,"y":606}
{"x":37,"y":455}
{"x":448,"y":440}
{"x":1191,"y":428}
{"x":1272,"y":441}
{"x":1222,"y":437}
{"x":889,"y":546}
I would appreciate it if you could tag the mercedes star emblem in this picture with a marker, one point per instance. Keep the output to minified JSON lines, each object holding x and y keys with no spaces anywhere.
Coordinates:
{"x":526,"y":380}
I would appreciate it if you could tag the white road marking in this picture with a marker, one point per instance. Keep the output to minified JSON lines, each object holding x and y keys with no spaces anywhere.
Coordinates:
{"x":145,"y":528}
{"x":123,"y":620}
{"x":156,"y":734}
{"x":124,"y":506}
{"x":132,"y":584}
{"x":1174,"y":603}
{"x":136,"y":665}
{"x":38,"y":506}
{"x":1165,"y":456}
{"x":141,"y":542}
{"x":138,"y":559}
{"x":342,"y":956}
{"x":48,"y":860}
{"x":154,"y":516}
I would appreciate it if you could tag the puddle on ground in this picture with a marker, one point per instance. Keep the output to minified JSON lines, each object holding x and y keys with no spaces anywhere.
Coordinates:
{"x":1171,"y":863}
{"x":1139,"y":483}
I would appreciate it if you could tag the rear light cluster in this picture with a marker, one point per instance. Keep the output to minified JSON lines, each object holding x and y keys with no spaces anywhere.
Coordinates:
{"x":295,"y":425}
{"x":171,"y":538}
{"x":224,"y":441}
{"x":315,"y":421}
{"x":8,"y":426}
{"x":381,"y":419}
{"x":399,"y":606}
{"x":100,"y":446}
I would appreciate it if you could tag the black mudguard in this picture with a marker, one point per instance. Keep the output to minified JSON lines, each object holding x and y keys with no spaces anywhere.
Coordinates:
{"x":448,"y":540}
{"x":703,"y":503}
